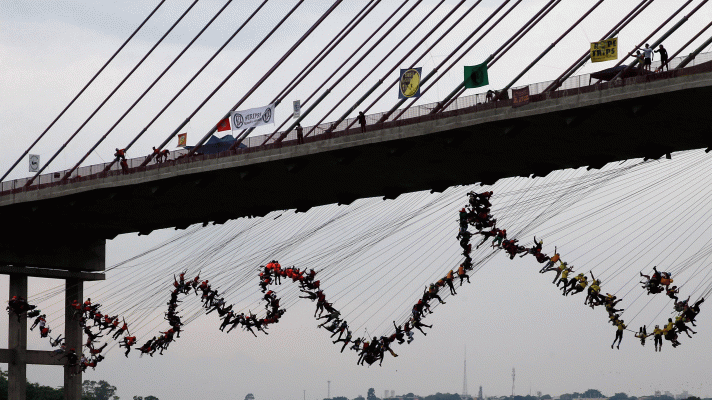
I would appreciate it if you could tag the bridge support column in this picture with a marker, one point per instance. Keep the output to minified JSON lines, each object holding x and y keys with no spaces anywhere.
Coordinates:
{"x":17,"y":343}
{"x":74,"y":290}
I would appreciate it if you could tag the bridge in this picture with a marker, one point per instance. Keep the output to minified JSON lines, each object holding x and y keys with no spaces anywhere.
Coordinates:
{"x":582,"y":127}
{"x":60,"y":226}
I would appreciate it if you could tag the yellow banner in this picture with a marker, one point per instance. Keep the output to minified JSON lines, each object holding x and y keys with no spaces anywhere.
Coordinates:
{"x":604,"y":50}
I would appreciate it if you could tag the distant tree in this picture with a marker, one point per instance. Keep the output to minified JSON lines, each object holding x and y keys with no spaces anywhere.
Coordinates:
{"x":371,"y":394}
{"x":361,"y":398}
{"x":145,"y":398}
{"x":339,"y":398}
{"x":250,"y":396}
{"x":102,"y":390}
{"x":442,"y":396}
{"x":546,"y":397}
{"x":619,"y":396}
{"x":592,"y":394}
{"x":411,"y":395}
{"x":663,"y":397}
{"x":693,"y":398}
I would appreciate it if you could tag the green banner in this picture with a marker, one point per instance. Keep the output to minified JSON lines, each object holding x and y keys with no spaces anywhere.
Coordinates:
{"x":476,"y":76}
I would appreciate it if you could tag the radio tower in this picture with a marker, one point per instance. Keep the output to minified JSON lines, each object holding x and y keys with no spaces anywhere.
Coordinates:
{"x":513,"y":375}
{"x":464,"y":376}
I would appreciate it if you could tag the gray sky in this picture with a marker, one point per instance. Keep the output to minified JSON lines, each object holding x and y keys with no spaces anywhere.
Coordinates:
{"x":509,"y":317}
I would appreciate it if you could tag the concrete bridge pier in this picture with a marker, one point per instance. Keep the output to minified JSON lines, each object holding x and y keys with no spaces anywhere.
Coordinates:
{"x":75,"y":264}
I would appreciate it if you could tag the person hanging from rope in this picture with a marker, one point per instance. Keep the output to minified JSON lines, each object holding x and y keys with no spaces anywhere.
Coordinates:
{"x":385,"y":346}
{"x":552,"y":261}
{"x":408,"y":331}
{"x":501,"y":235}
{"x":672,"y":293}
{"x":486,"y":235}
{"x":658,"y":338}
{"x":432,"y":292}
{"x":346,"y":340}
{"x":559,"y":270}
{"x":399,"y":333}
{"x":579,"y":287}
{"x":340,"y":330}
{"x":238,"y":320}
{"x":682,"y":327}
{"x":56,"y":342}
{"x":448,"y":279}
{"x":642,"y":334}
{"x":418,"y":324}
{"x":619,"y":334}
{"x":462,"y":275}
{"x":120,"y":332}
{"x":534,"y":250}
{"x":652,"y":283}
{"x":670,"y":334}
{"x":691,"y":312}
{"x":610,"y":303}
{"x":565,"y":276}
{"x":39,"y":319}
{"x":592,"y":298}
{"x":94,"y":351}
{"x":364,"y":351}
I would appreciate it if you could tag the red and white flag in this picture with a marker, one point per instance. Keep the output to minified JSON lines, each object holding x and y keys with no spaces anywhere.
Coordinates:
{"x":224,"y":125}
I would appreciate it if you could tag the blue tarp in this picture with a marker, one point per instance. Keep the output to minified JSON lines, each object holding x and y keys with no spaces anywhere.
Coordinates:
{"x":217,"y":145}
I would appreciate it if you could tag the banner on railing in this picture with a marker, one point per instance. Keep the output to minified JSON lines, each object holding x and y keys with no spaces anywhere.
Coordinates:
{"x":520,"y":97}
{"x":409,"y":83}
{"x":252,"y":118}
{"x":605,"y":50}
{"x":182,"y":140}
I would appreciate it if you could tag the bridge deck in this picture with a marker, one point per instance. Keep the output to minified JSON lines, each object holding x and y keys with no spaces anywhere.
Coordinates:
{"x":587,"y":126}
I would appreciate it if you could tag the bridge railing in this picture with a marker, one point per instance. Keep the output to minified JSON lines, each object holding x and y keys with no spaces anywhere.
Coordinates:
{"x":467,"y":104}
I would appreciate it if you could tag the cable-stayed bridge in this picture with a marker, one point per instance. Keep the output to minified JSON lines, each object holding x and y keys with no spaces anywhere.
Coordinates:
{"x":61,"y":220}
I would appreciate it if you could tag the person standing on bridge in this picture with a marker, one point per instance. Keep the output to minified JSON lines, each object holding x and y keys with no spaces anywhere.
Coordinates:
{"x":362,"y":121}
{"x":300,"y":134}
{"x":663,"y":58}
{"x":648,"y":53}
{"x":641,"y":62}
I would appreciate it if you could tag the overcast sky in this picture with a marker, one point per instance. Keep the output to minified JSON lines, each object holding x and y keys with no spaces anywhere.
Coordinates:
{"x":509,"y":317}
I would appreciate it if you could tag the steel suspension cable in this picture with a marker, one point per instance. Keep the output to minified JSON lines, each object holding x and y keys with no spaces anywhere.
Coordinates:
{"x":268,"y":74}
{"x":155,"y":81}
{"x":346,"y":74}
{"x":690,"y":41}
{"x":82,"y":91}
{"x":412,"y":65}
{"x":222,"y":83}
{"x":445,"y":103}
{"x":666,"y":34}
{"x":353,"y":54}
{"x":378,"y":64}
{"x":29,"y":181}
{"x":357,"y":19}
{"x":437,"y":78}
{"x":205,"y":65}
{"x":587,"y":56}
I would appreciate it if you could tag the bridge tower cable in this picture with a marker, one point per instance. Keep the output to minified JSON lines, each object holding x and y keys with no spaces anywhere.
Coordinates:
{"x":450,"y":98}
{"x":155,"y":81}
{"x":29,"y":181}
{"x":681,"y":49}
{"x":437,"y":78}
{"x":498,"y":53}
{"x":343,"y":64}
{"x":268,"y":73}
{"x":82,"y":90}
{"x":218,"y":51}
{"x":348,"y":72}
{"x":393,"y":51}
{"x":692,"y":56}
{"x":642,"y":42}
{"x":665,"y":35}
{"x":536,"y":60}
{"x":222,"y":83}
{"x":587,"y":55}
{"x":412,"y":65}
{"x":452,"y":53}
{"x":348,"y":28}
